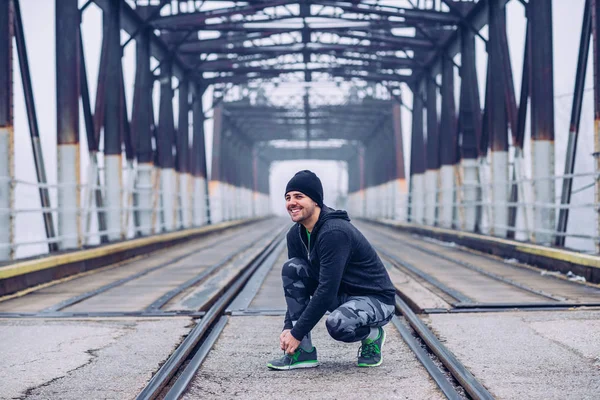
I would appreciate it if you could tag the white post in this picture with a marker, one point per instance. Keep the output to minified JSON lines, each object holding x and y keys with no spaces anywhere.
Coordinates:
{"x":470,"y":186}
{"x":6,"y":192}
{"x":186,"y":200}
{"x":169,"y":193}
{"x":144,"y":197}
{"x":446,"y":195}
{"x":418,"y":199}
{"x":199,"y":201}
{"x":112,"y":185}
{"x":500,"y":186}
{"x":215,"y":190}
{"x":69,"y":227}
{"x":543,"y":189}
{"x":430,"y":196}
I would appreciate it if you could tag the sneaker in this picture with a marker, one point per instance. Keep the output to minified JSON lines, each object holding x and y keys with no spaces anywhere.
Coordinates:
{"x":369,"y":353}
{"x":300,"y":359}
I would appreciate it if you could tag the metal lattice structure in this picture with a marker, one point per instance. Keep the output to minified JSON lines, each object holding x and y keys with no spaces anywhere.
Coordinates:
{"x":307,"y":79}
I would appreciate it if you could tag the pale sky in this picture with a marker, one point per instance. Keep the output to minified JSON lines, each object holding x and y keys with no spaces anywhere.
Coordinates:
{"x":38,"y":20}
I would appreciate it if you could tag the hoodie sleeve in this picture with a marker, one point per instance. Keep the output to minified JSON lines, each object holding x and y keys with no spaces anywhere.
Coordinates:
{"x":334,"y":249}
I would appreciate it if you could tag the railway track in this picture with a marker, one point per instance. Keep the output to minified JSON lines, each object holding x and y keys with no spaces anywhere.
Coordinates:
{"x":175,"y":376}
{"x":188,"y":357}
{"x":471,"y":282}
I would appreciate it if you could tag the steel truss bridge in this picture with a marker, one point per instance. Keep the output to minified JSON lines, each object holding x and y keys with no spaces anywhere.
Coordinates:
{"x":288,"y":80}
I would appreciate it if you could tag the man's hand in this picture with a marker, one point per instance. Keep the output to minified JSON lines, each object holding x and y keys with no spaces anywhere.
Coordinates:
{"x":287,"y":342}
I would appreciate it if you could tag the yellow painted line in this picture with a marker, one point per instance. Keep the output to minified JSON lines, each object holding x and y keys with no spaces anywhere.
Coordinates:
{"x":587,"y":260}
{"x":25,"y":267}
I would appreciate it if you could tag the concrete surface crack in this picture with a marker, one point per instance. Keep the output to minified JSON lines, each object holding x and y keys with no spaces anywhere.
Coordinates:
{"x":91,"y":352}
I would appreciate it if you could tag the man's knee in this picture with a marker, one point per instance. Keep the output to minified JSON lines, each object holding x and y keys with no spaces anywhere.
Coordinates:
{"x":340,"y":327}
{"x":294,"y":269}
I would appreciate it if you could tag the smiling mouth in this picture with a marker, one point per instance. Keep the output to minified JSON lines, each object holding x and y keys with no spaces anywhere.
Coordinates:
{"x":295,"y":211}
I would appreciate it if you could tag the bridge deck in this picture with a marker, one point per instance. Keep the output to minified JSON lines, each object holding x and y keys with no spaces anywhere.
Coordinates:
{"x":517,"y":334}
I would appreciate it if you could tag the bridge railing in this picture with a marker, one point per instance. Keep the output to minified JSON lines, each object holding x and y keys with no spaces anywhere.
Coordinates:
{"x":140,"y":211}
{"x":491,"y":207}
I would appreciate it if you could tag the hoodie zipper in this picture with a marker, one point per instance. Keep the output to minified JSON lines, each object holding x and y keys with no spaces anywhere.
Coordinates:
{"x":307,"y":248}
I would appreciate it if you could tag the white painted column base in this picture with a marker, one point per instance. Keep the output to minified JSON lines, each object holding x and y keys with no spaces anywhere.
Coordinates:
{"x":400,"y":200}
{"x":113,"y":177}
{"x":543,"y":190}
{"x":199,"y":201}
{"x":500,"y":192}
{"x":168,"y":186}
{"x":185,"y":188}
{"x":418,"y":199}
{"x":215,"y":189}
{"x":68,"y":196}
{"x":431,"y":196}
{"x":446,"y":195}
{"x":144,"y":197}
{"x":470,"y":186}
{"x":6,"y":192}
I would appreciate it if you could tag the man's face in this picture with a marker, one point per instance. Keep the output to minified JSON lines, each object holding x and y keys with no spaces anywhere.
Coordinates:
{"x":299,"y":206}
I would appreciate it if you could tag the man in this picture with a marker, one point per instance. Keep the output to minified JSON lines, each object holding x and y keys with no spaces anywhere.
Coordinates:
{"x":331,"y":267}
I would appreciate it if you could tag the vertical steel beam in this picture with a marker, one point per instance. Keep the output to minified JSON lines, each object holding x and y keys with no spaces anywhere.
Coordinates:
{"x":6,"y":133}
{"x":448,"y":145}
{"x":92,"y":142}
{"x":67,"y":122}
{"x":113,"y":171}
{"x":518,"y":139}
{"x":417,"y":158}
{"x":470,"y":128}
{"x":198,"y":159}
{"x":542,"y":117}
{"x":400,"y":188}
{"x":183,"y":153}
{"x":584,"y":45}
{"x":432,"y":173}
{"x":142,"y":123}
{"x":596,"y":46}
{"x":498,"y":127}
{"x":38,"y":156}
{"x":216,"y":185}
{"x":166,"y":134}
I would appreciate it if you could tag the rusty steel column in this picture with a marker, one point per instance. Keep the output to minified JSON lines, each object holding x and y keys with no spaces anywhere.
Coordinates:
{"x":596,"y":46}
{"x":36,"y":145}
{"x":448,"y":146}
{"x":198,"y":160}
{"x":7,"y":168}
{"x":67,"y":123}
{"x":432,"y":174}
{"x":141,"y":126}
{"x":165,"y":136}
{"x":470,"y":126}
{"x":113,"y":169}
{"x":216,"y":185}
{"x":498,"y":124}
{"x":542,"y":118}
{"x":400,"y":187}
{"x":417,"y":158}
{"x":584,"y":46}
{"x":183,"y":154}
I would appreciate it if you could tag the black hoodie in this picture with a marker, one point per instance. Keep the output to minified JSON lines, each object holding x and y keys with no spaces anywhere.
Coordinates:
{"x":344,"y":262}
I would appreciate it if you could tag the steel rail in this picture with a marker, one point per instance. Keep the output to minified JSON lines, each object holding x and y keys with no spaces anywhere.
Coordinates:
{"x":434,"y":371}
{"x":463,"y":299}
{"x":84,"y":296}
{"x":463,"y":376}
{"x":181,"y":354}
{"x":477,"y":269}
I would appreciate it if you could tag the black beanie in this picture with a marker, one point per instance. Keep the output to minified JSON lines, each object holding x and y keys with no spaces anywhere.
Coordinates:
{"x":308,"y":183}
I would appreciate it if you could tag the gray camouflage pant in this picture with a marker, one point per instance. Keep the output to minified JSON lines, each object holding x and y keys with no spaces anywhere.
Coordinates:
{"x":351,"y":317}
